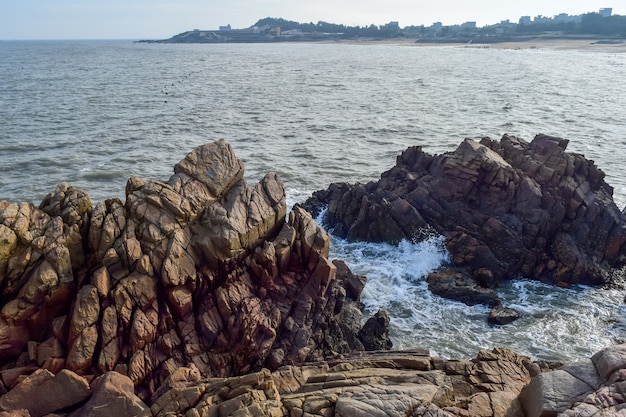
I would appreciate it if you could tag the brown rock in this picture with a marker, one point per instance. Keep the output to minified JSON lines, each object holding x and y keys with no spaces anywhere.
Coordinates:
{"x":61,"y":391}
{"x":21,"y":396}
{"x":111,"y":351}
{"x":16,"y":413}
{"x":51,"y":348}
{"x":13,"y":339}
{"x":375,"y":333}
{"x":553,"y":392}
{"x":112,"y":395}
{"x":200,"y":272}
{"x":83,"y":333}
{"x":214,"y":165}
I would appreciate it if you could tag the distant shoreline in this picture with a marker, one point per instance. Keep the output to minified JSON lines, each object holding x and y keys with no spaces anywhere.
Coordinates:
{"x":536,"y":43}
{"x":540,"y":42}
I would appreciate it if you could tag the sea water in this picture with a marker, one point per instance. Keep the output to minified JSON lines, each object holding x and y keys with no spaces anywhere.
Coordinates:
{"x":93,"y":113}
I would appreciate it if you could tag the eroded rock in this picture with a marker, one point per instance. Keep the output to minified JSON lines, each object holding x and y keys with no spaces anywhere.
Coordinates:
{"x":368,"y":384}
{"x":507,"y":209}
{"x":201,"y":272}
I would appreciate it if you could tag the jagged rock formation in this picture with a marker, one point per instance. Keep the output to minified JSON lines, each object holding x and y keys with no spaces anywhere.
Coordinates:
{"x":507,"y":209}
{"x":199,"y":297}
{"x":201,"y":271}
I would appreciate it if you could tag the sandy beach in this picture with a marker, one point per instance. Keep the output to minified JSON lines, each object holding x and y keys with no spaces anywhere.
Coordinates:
{"x":557,"y":44}
{"x":537,"y":43}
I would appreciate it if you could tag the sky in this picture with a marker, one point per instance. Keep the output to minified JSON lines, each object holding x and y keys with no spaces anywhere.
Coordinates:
{"x":160,"y":19}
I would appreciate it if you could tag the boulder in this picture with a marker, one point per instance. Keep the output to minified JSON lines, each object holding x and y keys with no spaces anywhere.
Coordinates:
{"x":375,"y":332}
{"x":456,"y":284}
{"x":501,"y":315}
{"x":43,"y":393}
{"x":589,"y":387}
{"x":112,"y":395}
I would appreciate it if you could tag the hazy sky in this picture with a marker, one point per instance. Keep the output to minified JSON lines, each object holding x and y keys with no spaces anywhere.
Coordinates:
{"x":157,"y":19}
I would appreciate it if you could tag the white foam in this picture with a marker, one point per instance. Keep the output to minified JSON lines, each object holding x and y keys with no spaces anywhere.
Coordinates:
{"x":556,"y":323}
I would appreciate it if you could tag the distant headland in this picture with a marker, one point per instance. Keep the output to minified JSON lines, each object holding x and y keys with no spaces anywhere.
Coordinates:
{"x":602,"y":27}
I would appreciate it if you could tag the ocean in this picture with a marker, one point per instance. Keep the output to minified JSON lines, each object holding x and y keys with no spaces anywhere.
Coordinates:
{"x":93,"y":113}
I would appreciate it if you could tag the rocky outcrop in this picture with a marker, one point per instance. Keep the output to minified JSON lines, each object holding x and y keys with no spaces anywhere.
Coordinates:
{"x":201,"y":272}
{"x":507,"y":209}
{"x":200,"y":296}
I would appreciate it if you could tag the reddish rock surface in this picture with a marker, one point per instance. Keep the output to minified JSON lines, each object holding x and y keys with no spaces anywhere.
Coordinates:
{"x":202,"y":272}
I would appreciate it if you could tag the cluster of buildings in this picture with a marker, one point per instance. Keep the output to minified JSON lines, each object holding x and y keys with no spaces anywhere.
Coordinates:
{"x":505,"y":27}
{"x":504,"y":24}
{"x":561,"y":18}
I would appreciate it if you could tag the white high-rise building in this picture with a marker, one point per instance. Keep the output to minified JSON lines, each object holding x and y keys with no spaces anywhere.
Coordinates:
{"x":606,"y":12}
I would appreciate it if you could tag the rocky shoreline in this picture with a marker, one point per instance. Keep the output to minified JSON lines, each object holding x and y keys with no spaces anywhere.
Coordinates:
{"x":507,"y":209}
{"x":202,"y":296}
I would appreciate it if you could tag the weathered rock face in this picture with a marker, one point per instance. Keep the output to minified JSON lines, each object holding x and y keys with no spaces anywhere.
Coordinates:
{"x":201,"y":272}
{"x":376,"y":383}
{"x":591,"y":387}
{"x":507,"y":209}
{"x":372,"y":384}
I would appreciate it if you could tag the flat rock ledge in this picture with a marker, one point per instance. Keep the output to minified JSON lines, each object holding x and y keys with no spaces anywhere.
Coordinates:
{"x":497,"y":383}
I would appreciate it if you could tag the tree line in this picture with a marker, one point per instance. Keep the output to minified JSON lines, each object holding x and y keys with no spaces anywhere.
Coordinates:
{"x":588,"y":24}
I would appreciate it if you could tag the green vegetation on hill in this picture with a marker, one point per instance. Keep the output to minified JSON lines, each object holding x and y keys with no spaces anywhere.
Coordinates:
{"x":269,"y":29}
{"x":586,"y":24}
{"x":385,"y":31}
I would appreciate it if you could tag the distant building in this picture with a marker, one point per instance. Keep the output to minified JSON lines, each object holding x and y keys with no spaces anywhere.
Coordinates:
{"x":565,"y":18}
{"x":506,"y":25}
{"x":606,"y":12}
{"x":275,"y":31}
{"x":292,"y":32}
{"x":469,"y":25}
{"x":525,"y":20}
{"x":225,"y":28}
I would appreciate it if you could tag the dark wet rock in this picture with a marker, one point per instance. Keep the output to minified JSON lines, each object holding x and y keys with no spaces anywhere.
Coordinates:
{"x":375,"y":332}
{"x":507,"y":209}
{"x":501,"y":315}
{"x":456,"y":284}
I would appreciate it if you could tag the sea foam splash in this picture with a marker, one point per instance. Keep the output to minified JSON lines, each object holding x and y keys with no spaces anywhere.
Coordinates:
{"x":556,"y":323}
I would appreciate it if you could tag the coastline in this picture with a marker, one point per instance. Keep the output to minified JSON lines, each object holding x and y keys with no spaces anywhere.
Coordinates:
{"x":182,"y":319}
{"x":560,"y":44}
